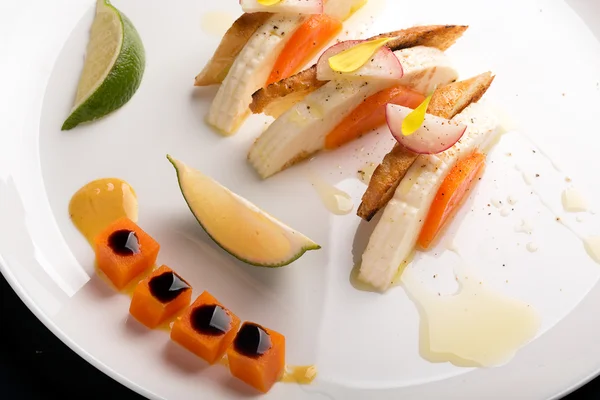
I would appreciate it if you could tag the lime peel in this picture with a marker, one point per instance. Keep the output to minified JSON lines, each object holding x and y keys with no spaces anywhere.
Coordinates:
{"x":238,"y":226}
{"x":355,"y":57}
{"x":113,"y":69}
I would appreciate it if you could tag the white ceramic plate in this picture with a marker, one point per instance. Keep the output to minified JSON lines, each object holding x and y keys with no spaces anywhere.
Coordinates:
{"x":547,"y":63}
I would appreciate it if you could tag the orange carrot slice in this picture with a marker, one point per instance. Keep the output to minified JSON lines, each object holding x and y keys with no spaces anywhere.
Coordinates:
{"x":371,"y":115}
{"x":124,"y":251}
{"x":206,"y":328}
{"x":449,"y":197}
{"x":304,"y":44}
{"x":159,"y":297}
{"x":257,"y":356}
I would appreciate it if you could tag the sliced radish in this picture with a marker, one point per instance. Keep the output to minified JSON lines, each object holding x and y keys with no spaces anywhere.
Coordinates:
{"x":382,"y":64}
{"x":434,"y":136}
{"x":283,"y":6}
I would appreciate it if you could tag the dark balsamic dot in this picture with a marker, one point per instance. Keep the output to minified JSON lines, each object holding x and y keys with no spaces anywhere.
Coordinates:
{"x":124,"y":242}
{"x":167,"y":286}
{"x":211,"y":320}
{"x":252,"y":340}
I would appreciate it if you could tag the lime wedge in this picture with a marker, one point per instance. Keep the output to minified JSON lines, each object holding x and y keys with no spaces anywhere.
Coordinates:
{"x":113,"y":68}
{"x":238,"y":226}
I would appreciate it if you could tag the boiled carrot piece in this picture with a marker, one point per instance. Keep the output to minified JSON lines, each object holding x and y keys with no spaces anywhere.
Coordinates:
{"x":370,"y":115}
{"x":206,"y":329}
{"x":304,"y":44}
{"x":159,"y":297}
{"x":450,"y":196}
{"x":124,"y":251}
{"x":257,"y":356}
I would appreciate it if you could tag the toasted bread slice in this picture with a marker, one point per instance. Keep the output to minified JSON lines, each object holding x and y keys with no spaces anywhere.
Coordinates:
{"x":232,"y":43}
{"x":446,"y":102}
{"x":452,"y":99}
{"x":278,"y":97}
{"x":442,"y":37}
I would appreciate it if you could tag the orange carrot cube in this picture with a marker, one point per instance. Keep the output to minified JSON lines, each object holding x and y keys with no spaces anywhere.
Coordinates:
{"x":370,"y":115}
{"x":206,"y":329}
{"x":124,"y":251}
{"x":450,"y":196}
{"x":257,"y":356}
{"x":159,"y":297}
{"x":310,"y":37}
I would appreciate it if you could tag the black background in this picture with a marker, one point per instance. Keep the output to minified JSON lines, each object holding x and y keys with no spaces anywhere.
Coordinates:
{"x":34,"y":364}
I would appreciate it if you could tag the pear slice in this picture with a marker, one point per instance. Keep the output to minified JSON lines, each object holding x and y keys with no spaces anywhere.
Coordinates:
{"x":238,"y":226}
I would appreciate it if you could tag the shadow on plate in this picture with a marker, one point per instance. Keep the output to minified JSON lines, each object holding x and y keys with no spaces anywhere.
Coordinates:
{"x":361,"y":241}
{"x":200,"y":101}
{"x":193,"y":234}
{"x":204,"y":93}
{"x":182,"y":359}
{"x":99,"y":288}
{"x":135,"y":328}
{"x":588,"y":12}
{"x":361,"y":238}
{"x":239,"y":388}
{"x":189,"y":364}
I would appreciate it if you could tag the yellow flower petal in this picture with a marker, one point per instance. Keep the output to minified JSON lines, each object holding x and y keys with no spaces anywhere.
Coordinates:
{"x":268,"y":2}
{"x":415,"y":119}
{"x":355,"y":57}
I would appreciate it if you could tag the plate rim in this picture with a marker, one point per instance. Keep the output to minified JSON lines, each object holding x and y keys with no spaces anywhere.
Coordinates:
{"x":17,"y":285}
